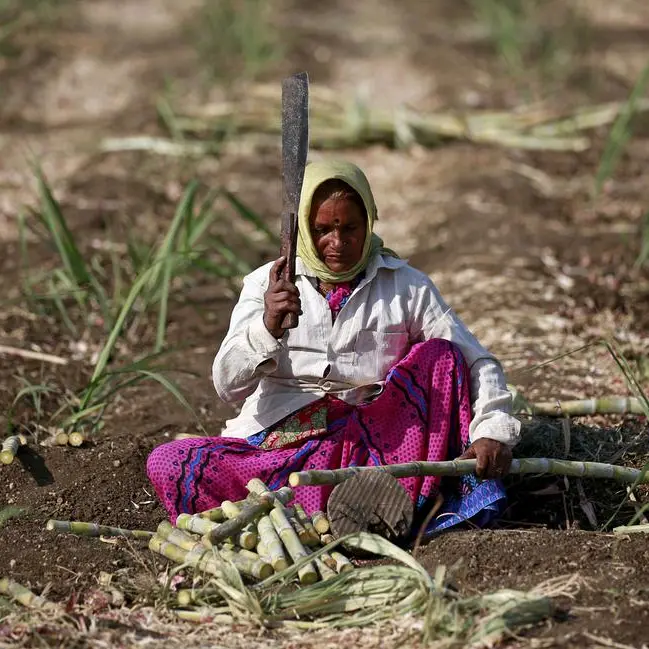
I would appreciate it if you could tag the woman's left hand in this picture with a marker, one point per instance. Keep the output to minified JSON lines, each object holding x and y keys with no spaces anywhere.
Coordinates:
{"x":493,"y":458}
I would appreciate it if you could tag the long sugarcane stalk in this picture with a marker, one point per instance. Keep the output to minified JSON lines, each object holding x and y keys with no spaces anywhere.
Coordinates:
{"x":462,"y":467}
{"x":22,"y":595}
{"x":10,"y":448}
{"x":580,"y":407}
{"x":94,"y":529}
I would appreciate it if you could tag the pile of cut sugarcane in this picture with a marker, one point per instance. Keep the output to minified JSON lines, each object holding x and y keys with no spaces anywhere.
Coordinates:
{"x":260,"y":535}
{"x":265,"y":562}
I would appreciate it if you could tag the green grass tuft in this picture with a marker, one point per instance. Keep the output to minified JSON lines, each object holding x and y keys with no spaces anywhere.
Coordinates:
{"x":235,"y":38}
{"x":145,"y":281}
{"x":621,"y":132}
{"x":526,"y":35}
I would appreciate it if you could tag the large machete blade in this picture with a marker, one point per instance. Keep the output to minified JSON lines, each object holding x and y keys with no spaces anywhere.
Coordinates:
{"x":295,"y":148}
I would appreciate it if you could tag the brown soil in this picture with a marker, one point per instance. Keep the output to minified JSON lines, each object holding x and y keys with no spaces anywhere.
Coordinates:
{"x":532,"y":265}
{"x":613,"y":600}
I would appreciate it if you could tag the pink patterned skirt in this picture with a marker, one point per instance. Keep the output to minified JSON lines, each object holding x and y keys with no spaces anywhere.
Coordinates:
{"x":423,"y":413}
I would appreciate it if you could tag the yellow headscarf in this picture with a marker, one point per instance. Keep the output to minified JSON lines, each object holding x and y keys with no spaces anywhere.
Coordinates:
{"x":315,"y":174}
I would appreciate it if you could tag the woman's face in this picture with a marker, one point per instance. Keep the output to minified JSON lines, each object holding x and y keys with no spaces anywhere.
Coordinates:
{"x":338,"y":231}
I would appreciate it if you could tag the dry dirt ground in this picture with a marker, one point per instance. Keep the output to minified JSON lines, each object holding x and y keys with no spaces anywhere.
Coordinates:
{"x":513,"y":240}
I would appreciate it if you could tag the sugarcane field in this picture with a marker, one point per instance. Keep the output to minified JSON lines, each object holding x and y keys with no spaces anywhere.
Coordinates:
{"x":324,"y":324}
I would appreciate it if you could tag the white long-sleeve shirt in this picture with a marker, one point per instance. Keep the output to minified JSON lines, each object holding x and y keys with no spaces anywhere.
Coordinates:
{"x":393,"y":307}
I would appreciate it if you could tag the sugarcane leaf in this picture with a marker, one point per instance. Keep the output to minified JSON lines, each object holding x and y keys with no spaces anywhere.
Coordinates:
{"x":58,"y":229}
{"x":30,"y":390}
{"x":167,"y":248}
{"x":163,"y":308}
{"x":620,"y":132}
{"x":85,"y":413}
{"x":248,"y":215}
{"x":171,"y":387}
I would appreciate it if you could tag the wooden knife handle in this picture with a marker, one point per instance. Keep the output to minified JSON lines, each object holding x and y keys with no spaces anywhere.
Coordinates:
{"x":288,"y":249}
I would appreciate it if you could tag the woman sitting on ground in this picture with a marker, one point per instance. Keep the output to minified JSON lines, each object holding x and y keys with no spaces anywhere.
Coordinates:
{"x":379,"y":370}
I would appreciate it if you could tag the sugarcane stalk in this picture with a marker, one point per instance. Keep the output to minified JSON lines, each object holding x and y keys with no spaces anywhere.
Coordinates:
{"x":94,"y":529}
{"x":297,"y":526}
{"x":215,"y":515}
{"x":198,"y":558}
{"x":76,"y":439}
{"x":343,"y":564}
{"x":631,"y":529}
{"x":185,"y":597}
{"x":203,"y":615}
{"x":284,"y":528}
{"x":10,"y":448}
{"x":320,"y":522}
{"x":325,"y":570}
{"x":329,"y":561}
{"x":306,"y":574}
{"x":191,"y":596}
{"x":263,"y":553}
{"x":249,"y":512}
{"x":61,"y":439}
{"x":177,"y":536}
{"x":462,"y":467}
{"x":270,"y":540}
{"x":22,"y":595}
{"x":579,"y":407}
{"x":249,"y":563}
{"x":230,"y":509}
{"x":195,"y":524}
{"x":326,"y":539}
{"x":248,"y":536}
{"x":311,"y":536}
{"x":283,"y":495}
